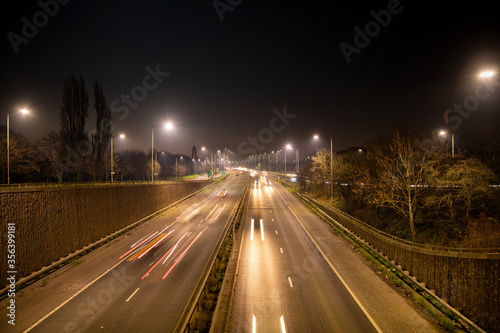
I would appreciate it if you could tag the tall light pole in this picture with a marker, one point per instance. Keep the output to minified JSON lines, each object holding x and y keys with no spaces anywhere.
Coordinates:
{"x":331,"y":171}
{"x":8,"y":150}
{"x":297,"y":164}
{"x":445,"y":134}
{"x":152,"y":153}
{"x":168,"y":126}
{"x":122,"y":136}
{"x":23,"y":111}
{"x":286,"y":147}
{"x":277,"y":162}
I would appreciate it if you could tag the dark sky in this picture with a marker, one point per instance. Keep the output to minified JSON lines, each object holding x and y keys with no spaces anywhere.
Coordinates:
{"x":226,"y":77}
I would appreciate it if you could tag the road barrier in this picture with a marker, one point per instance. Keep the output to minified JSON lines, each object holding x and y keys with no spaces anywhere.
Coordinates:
{"x":466,"y":279}
{"x":188,"y":320}
{"x":53,"y":225}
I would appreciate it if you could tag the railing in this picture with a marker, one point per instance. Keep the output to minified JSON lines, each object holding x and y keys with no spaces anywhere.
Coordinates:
{"x":466,"y":279}
{"x":234,"y":218}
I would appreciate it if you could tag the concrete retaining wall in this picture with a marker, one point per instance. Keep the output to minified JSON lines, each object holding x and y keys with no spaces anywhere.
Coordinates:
{"x":52,"y":223}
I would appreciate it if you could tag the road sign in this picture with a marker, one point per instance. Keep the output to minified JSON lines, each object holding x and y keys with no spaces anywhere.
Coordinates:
{"x":209,"y":173}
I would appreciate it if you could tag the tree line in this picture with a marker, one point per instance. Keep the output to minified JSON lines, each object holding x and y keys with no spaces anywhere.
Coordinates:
{"x":74,"y":154}
{"x":408,"y":185}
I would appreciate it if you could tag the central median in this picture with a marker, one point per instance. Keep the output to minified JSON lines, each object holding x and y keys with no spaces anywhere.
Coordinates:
{"x":202,"y":314}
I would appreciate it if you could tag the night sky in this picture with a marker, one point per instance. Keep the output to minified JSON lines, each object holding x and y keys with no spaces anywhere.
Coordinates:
{"x":225,"y":77}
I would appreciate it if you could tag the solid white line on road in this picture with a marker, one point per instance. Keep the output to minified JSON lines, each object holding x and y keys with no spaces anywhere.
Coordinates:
{"x":251,"y":231}
{"x":261,"y":229}
{"x":281,"y":250}
{"x":276,"y":231}
{"x":290,"y":281}
{"x":254,"y":324}
{"x":272,"y":220}
{"x":128,"y":299}
{"x":282,"y":321}
{"x":78,"y":293}
{"x":370,"y":318}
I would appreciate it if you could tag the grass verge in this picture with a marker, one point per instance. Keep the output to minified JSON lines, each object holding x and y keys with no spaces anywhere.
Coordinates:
{"x":202,"y":318}
{"x":446,"y":318}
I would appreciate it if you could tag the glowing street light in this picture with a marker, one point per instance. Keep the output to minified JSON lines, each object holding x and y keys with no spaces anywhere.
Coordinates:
{"x":168,"y":126}
{"x":486,"y":74}
{"x":445,"y":134}
{"x":23,"y":111}
{"x":288,"y":146}
{"x":121,"y":136}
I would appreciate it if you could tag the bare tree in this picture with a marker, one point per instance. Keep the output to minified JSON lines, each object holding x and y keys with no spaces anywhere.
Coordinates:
{"x":74,"y":112}
{"x":403,"y":170}
{"x":102,"y":138}
{"x":49,"y":148}
{"x":320,"y":167}
{"x":462,"y":186}
{"x":22,"y":157}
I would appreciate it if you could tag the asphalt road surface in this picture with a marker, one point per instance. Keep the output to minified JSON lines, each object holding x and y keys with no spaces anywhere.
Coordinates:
{"x":284,"y":283}
{"x":141,"y":282}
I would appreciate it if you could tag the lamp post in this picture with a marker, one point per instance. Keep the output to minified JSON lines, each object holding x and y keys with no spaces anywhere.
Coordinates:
{"x":445,"y":134}
{"x":168,"y":126}
{"x":122,"y":136}
{"x":23,"y":111}
{"x":211,"y":160}
{"x":286,"y":147}
{"x":331,"y":171}
{"x":297,"y":164}
{"x":277,"y":162}
{"x":152,"y":152}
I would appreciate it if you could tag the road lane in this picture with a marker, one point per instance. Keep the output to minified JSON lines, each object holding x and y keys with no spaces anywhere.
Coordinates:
{"x":283,"y":281}
{"x":154,"y":274}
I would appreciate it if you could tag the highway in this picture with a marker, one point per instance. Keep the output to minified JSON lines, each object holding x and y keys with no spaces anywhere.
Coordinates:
{"x":284,"y":283}
{"x":141,"y":282}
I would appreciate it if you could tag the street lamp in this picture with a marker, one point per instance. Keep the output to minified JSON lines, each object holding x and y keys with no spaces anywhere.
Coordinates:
{"x":168,"y":126}
{"x":486,"y":74}
{"x":331,"y":167}
{"x":288,"y":146}
{"x":122,"y":136}
{"x":445,"y":134}
{"x":211,"y":160}
{"x":23,"y":111}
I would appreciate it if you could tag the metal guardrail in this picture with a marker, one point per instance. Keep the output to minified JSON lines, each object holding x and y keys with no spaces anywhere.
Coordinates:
{"x":387,"y":236}
{"x":22,"y":186}
{"x":401,"y":241}
{"x":234,"y":217}
{"x":400,"y":266}
{"x":54,"y":265}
